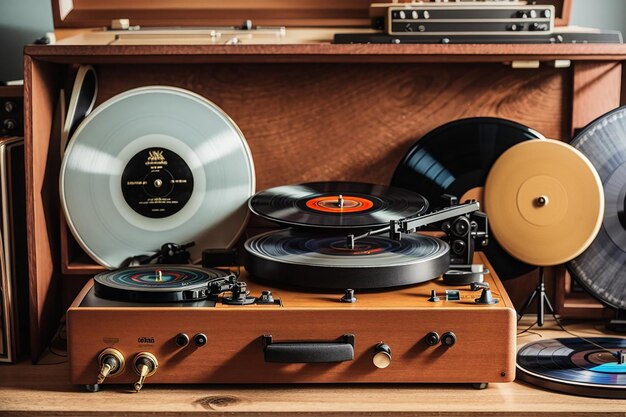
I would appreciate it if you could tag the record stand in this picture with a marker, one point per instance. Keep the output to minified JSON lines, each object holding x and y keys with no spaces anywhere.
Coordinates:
{"x":534,"y":202}
{"x":542,"y":300}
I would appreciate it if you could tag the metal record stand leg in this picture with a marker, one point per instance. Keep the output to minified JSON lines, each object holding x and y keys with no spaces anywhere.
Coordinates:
{"x":540,"y":294}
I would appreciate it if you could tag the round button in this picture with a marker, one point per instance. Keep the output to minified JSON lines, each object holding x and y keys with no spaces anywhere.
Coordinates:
{"x":432,"y":338}
{"x":200,"y":339}
{"x":382,"y":356}
{"x":181,"y":339}
{"x":448,"y":339}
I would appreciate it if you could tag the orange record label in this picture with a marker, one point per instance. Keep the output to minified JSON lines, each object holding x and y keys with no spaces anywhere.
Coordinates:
{"x":339,"y":204}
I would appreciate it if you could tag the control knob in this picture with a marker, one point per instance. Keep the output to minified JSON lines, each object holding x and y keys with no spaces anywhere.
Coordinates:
{"x":111,"y":362}
{"x":145,"y":364}
{"x":382,"y":355}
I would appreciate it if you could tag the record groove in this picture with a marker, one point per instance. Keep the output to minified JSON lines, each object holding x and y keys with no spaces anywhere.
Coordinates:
{"x":336,"y":205}
{"x":600,"y":268}
{"x":574,"y":365}
{"x":155,"y":165}
{"x":320,"y":261}
{"x":156,"y":283}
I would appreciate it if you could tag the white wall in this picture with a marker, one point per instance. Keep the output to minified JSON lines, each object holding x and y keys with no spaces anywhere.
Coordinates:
{"x":604,"y":14}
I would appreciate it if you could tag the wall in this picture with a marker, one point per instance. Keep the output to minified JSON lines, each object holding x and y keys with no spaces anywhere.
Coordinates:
{"x":21,"y":22}
{"x":605,"y":14}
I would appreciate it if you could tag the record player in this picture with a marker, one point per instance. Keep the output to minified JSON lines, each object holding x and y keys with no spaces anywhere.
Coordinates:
{"x":296,"y":336}
{"x":294,"y":315}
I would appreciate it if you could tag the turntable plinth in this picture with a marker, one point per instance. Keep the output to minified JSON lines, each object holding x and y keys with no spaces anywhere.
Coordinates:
{"x":484,"y":350}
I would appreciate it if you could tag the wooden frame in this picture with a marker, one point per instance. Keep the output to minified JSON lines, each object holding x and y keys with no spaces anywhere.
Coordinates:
{"x":95,"y":13}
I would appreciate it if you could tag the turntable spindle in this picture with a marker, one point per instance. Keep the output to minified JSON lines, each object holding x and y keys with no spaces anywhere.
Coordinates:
{"x":145,"y":365}
{"x":340,"y":201}
{"x":111,"y":362}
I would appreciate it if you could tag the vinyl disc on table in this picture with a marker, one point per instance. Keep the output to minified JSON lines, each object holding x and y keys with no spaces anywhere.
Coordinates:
{"x":155,"y":165}
{"x":600,"y":269}
{"x":574,"y":365}
{"x":455,"y":159}
{"x":156,"y":283}
{"x":545,"y":202}
{"x":321,"y":261}
{"x":337,"y":205}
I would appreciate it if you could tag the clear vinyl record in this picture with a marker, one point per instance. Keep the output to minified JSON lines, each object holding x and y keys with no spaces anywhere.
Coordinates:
{"x":154,"y":165}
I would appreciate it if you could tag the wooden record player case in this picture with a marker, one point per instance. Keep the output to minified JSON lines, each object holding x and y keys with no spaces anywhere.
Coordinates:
{"x":310,"y":110}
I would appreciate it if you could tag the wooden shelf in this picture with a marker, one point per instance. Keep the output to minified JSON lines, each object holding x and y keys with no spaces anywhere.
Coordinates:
{"x":322,"y":52}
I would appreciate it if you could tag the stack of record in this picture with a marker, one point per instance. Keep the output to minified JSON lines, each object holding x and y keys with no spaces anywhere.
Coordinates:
{"x":315,"y":252}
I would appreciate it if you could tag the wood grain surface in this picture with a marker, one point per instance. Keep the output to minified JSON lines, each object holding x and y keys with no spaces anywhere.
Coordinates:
{"x":308,"y":122}
{"x":400,"y":318}
{"x":89,"y":13}
{"x":96,"y":47}
{"x":29,"y":390}
{"x":595,"y":92}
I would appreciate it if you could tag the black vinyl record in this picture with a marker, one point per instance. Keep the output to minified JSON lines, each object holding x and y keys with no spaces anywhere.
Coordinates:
{"x":601,"y":268}
{"x":304,"y":259}
{"x":455,"y":159}
{"x":337,"y":205}
{"x":156,"y":283}
{"x":575,"y":366}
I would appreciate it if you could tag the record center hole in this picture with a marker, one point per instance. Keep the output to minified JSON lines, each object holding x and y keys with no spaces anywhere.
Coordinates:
{"x":542,"y":201}
{"x":158,"y":183}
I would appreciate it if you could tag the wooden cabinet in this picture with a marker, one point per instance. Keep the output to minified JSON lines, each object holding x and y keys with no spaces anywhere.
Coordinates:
{"x":309,"y":110}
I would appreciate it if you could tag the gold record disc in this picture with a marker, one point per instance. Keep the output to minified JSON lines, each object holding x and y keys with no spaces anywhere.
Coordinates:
{"x":545,"y":202}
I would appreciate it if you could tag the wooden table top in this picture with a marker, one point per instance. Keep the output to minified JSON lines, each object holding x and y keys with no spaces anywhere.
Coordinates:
{"x":44,"y":389}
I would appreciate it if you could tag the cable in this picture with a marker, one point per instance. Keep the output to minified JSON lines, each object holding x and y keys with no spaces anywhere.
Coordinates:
{"x":558,"y":322}
{"x":527,"y":330}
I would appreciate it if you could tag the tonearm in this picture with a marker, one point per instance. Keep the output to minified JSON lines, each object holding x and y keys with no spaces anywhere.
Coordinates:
{"x":464,"y":224}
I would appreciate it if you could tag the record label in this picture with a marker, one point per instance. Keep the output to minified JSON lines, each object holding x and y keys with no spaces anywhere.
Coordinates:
{"x":157,"y":183}
{"x":340,"y":204}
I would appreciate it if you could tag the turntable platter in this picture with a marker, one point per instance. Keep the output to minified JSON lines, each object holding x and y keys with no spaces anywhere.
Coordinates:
{"x":291,"y":257}
{"x":156,"y":283}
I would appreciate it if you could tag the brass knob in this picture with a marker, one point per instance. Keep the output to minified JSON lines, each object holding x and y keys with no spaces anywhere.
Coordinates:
{"x":145,"y":364}
{"x":382,"y":356}
{"x":111,"y":362}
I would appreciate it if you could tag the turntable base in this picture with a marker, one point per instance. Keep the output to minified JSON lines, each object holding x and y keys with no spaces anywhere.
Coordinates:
{"x":236,"y":351}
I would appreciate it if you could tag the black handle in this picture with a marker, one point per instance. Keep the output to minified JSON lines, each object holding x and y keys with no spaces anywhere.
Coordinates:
{"x":309,"y":352}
